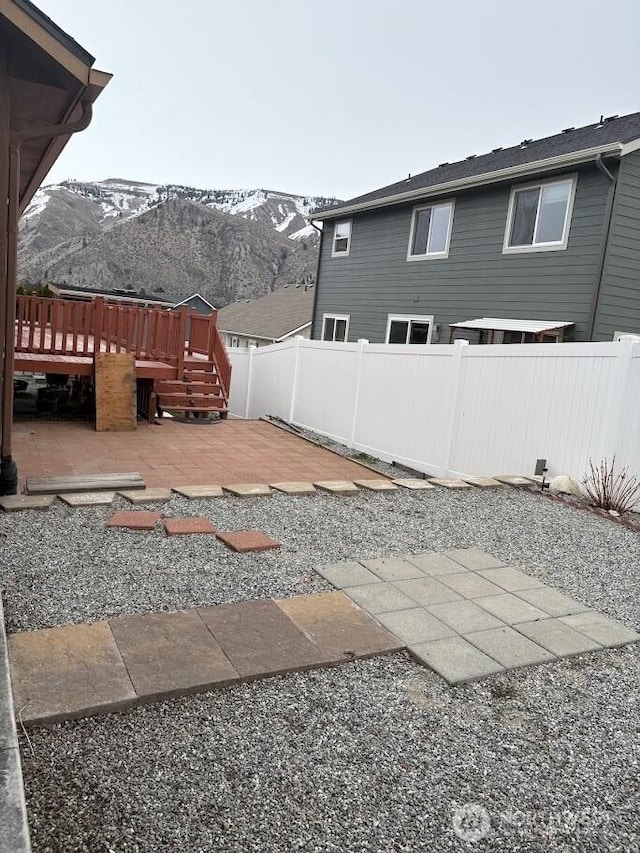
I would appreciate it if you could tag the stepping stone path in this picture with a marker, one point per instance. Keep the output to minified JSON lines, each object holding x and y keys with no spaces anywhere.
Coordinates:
{"x":14,"y":503}
{"x":337,"y":487}
{"x":484,"y":482}
{"x":147,"y":496}
{"x":135,"y":519}
{"x":183,"y":526}
{"x":450,"y":484}
{"x":377,"y":485}
{"x":243,"y":541}
{"x":88,"y":498}
{"x":248,"y":490}
{"x":413,"y":483}
{"x":197,"y":492}
{"x":513,"y":480}
{"x":466,"y":615}
{"x":297,"y":488}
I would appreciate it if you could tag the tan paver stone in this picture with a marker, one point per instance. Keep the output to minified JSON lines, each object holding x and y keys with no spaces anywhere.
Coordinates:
{"x":67,"y":673}
{"x":510,"y":608}
{"x":413,"y":483}
{"x":185,"y":526}
{"x":464,"y":616}
{"x":513,"y":479}
{"x":147,"y":496}
{"x":509,"y":648}
{"x":484,"y":482}
{"x":597,"y":627}
{"x":247,"y":540}
{"x":337,"y":487}
{"x":337,"y":627}
{"x":425,"y":591}
{"x":435,"y":564}
{"x":471,"y":585}
{"x":134,"y":519}
{"x":194,"y":493}
{"x":248,"y":490}
{"x":87,"y":498}
{"x":377,"y":485}
{"x":510,"y":579}
{"x":414,"y":626}
{"x":171,"y":654}
{"x":472,"y":558}
{"x":552,"y":601}
{"x":295,"y":488}
{"x":15,"y":503}
{"x":260,"y":640}
{"x":392,"y":568}
{"x":379,"y":597}
{"x":455,"y":659}
{"x":347,"y":574}
{"x":557,"y":637}
{"x":447,"y":483}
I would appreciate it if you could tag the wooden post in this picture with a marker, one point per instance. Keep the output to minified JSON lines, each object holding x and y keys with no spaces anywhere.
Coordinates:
{"x":182,"y":332}
{"x":98,"y":322}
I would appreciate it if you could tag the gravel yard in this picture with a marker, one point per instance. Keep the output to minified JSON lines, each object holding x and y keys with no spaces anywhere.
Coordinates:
{"x":372,"y":756}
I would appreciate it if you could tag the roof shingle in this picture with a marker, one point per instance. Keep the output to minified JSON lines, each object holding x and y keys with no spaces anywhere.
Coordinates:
{"x":272,"y":316}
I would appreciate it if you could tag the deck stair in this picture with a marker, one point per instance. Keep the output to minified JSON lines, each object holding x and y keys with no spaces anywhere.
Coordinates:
{"x":199,"y":391}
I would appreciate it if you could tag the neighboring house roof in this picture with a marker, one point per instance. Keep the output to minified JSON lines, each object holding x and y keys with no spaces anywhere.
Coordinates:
{"x":272,"y":317}
{"x":69,"y":290}
{"x":194,"y":296}
{"x":503,"y":324}
{"x":611,"y":136}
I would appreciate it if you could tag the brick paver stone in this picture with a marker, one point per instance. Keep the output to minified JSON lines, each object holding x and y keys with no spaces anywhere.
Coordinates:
{"x":337,"y":487}
{"x":147,"y":496}
{"x":69,"y":672}
{"x":247,"y":540}
{"x":139,"y":519}
{"x":392,"y":568}
{"x":510,"y":608}
{"x":170,"y":654}
{"x":509,"y":648}
{"x":426,"y":591}
{"x":473,"y":559}
{"x":510,"y":579}
{"x":414,"y":626}
{"x":184,"y":526}
{"x":464,"y":616}
{"x":414,"y":483}
{"x":260,"y":640}
{"x":557,"y":637}
{"x":248,"y":490}
{"x":597,"y":627}
{"x":377,"y":485}
{"x":455,"y":659}
{"x":15,"y":503}
{"x":450,"y":484}
{"x":551,"y":601}
{"x":337,"y":627}
{"x":87,"y":498}
{"x":194,"y":493}
{"x":435,"y":564}
{"x":347,"y":574}
{"x":379,"y":597}
{"x":484,"y":482}
{"x":295,"y":488}
{"x":470,"y":585}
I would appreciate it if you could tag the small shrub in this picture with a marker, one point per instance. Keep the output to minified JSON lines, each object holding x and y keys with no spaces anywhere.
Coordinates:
{"x":610,"y":489}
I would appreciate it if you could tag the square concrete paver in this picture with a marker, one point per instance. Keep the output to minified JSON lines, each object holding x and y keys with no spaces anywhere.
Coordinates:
{"x":247,"y":540}
{"x":597,"y":627}
{"x":551,"y":601}
{"x":337,"y":627}
{"x":377,"y":485}
{"x":347,"y":574}
{"x":510,"y":579}
{"x":509,"y":648}
{"x":513,"y":479}
{"x":248,"y":490}
{"x":260,"y":640}
{"x":450,"y":484}
{"x":414,"y":626}
{"x":470,"y":585}
{"x":455,"y":659}
{"x":379,"y":597}
{"x":87,"y":498}
{"x":472,"y":558}
{"x":484,"y":482}
{"x":392,"y":568}
{"x":295,"y":488}
{"x":413,"y":483}
{"x":337,"y":487}
{"x":15,"y":503}
{"x":510,"y":608}
{"x":435,"y":564}
{"x":147,"y":496}
{"x":557,"y":637}
{"x":194,"y":493}
{"x":139,"y":519}
{"x":65,"y":673}
{"x":185,"y":526}
{"x":464,"y":616}
{"x":426,"y":591}
{"x":170,"y":654}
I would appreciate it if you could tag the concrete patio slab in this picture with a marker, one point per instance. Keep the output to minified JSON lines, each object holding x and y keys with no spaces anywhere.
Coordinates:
{"x":87,"y":498}
{"x":337,"y":487}
{"x":414,"y":483}
{"x":558,"y":638}
{"x":242,"y":541}
{"x":392,"y":568}
{"x":510,"y":608}
{"x":513,"y":479}
{"x":511,"y":580}
{"x":65,"y":673}
{"x":194,"y":493}
{"x":379,"y":598}
{"x":464,"y":616}
{"x":470,"y":585}
{"x":435,"y":564}
{"x":425,"y":591}
{"x":414,"y":626}
{"x":377,"y":485}
{"x":134,"y":519}
{"x":248,"y":490}
{"x":509,"y":648}
{"x":347,"y":574}
{"x":337,"y":627}
{"x":186,"y":526}
{"x":472,"y":558}
{"x":295,"y":488}
{"x":455,"y":660}
{"x":484,"y":482}
{"x":147,"y":496}
{"x":15,"y":503}
{"x":171,"y":654}
{"x":597,"y":627}
{"x":551,"y":601}
{"x":450,"y":484}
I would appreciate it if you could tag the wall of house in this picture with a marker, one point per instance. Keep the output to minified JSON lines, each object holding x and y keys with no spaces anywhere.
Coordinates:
{"x":244,"y":341}
{"x":619,"y":303}
{"x":476,"y":280}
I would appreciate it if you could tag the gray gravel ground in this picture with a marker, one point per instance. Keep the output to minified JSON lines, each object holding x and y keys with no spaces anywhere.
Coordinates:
{"x":372,"y":756}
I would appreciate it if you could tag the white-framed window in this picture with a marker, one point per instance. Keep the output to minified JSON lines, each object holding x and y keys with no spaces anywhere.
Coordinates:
{"x":341,"y":239}
{"x":409,"y":329}
{"x":335,"y":327}
{"x":430,"y":231}
{"x":540,"y":216}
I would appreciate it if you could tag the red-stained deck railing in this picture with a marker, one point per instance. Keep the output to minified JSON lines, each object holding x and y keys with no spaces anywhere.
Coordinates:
{"x":66,"y":327}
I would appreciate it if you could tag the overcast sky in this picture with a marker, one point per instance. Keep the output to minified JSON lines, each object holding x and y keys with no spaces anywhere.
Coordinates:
{"x":337,"y":97}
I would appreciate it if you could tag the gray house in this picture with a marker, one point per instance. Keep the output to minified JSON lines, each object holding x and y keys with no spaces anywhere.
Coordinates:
{"x":538,"y":242}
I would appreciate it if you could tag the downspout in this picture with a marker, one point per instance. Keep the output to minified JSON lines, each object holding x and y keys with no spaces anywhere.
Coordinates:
{"x":8,"y":468}
{"x":595,"y":299}
{"x":317,"y":282}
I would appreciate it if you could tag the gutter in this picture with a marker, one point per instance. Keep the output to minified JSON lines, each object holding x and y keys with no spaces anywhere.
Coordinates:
{"x":608,"y":215}
{"x":317,"y":281}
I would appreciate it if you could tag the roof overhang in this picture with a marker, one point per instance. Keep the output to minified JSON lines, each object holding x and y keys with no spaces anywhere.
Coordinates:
{"x":522,"y":170}
{"x":535,"y":327}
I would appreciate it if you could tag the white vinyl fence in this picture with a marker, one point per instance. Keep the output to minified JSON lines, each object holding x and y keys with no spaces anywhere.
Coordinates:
{"x":454,"y":410}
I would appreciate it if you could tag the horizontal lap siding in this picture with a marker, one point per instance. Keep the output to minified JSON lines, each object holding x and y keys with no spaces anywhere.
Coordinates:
{"x":476,"y":279}
{"x":619,"y":305}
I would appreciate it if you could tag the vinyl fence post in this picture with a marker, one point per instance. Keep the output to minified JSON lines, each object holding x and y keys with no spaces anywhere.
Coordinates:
{"x":362,"y":342}
{"x":249,"y":381}
{"x":459,"y":348}
{"x":294,"y":381}
{"x":620,"y":398}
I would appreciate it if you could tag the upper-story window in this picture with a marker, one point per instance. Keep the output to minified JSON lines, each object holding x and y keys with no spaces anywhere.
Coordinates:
{"x":540,"y":216}
{"x":341,"y":238}
{"x":335,"y":327}
{"x":430,"y":231}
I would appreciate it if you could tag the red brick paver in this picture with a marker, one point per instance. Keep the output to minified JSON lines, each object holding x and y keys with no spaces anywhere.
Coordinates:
{"x":247,"y":540}
{"x":182,"y":526}
{"x":135,"y":519}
